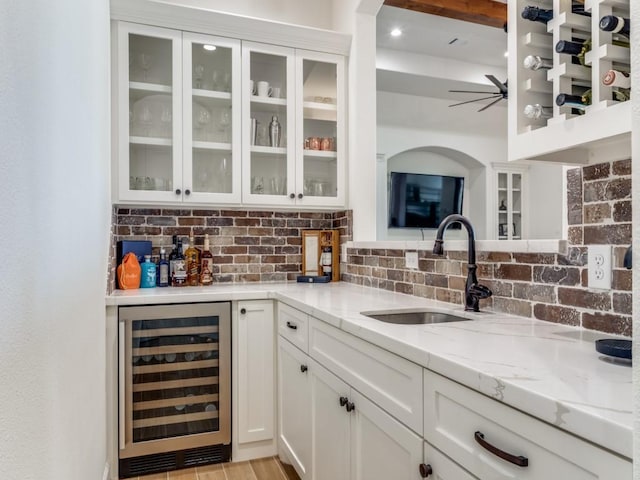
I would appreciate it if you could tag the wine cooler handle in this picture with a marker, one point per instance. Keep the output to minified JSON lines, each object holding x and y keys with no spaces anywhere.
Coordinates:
{"x":243,"y":311}
{"x":121,"y":412}
{"x":516,"y":460}
{"x":292,"y":326}
{"x":425,"y":470}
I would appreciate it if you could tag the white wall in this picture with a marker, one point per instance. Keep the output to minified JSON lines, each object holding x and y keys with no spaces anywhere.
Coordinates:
{"x":54,"y":133}
{"x":311,"y":13}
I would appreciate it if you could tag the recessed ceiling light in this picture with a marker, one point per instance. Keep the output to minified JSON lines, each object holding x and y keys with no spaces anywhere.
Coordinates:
{"x":211,"y":48}
{"x":396,"y":32}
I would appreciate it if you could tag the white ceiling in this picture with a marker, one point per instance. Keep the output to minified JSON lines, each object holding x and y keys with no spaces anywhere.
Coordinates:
{"x":425,"y":36}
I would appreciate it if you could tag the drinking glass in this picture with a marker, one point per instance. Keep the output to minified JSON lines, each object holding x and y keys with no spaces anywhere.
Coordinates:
{"x":145,"y":63}
{"x":165,"y":118}
{"x":204,"y":117}
{"x":198,"y":74}
{"x":224,"y":122}
{"x":147,"y":120}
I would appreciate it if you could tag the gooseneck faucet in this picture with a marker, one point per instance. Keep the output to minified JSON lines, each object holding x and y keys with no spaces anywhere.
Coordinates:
{"x":473,"y":291}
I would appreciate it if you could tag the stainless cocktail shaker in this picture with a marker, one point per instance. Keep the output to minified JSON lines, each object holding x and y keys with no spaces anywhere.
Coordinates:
{"x":274,"y":132}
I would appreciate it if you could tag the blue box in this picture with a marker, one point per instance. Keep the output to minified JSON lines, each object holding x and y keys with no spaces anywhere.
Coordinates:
{"x":139,"y":247}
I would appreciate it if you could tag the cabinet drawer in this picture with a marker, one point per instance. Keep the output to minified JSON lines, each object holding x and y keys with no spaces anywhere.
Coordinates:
{"x":294,"y":326}
{"x":395,"y":384}
{"x":453,"y":414}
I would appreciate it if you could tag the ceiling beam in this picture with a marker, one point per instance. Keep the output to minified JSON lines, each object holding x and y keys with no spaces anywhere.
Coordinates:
{"x":484,"y":12}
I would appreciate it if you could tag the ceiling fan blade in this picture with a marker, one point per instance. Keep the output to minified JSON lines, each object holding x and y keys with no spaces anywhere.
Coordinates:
{"x":469,"y":91}
{"x":476,"y":100}
{"x":501,"y":86}
{"x":492,"y":103}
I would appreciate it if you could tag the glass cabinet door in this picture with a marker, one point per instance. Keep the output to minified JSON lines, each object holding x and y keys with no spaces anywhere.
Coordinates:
{"x":269,"y":124}
{"x":211,"y":85}
{"x":320,"y":107}
{"x":510,"y":204}
{"x":149,"y":104}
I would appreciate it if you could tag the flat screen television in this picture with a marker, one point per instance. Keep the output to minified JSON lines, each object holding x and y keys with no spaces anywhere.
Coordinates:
{"x":423,"y":201}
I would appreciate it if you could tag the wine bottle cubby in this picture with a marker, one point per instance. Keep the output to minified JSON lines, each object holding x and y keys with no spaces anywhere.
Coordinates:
{"x":541,"y":126}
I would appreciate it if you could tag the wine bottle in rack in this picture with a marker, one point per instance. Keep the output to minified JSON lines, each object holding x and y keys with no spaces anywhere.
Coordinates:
{"x":537,"y":112}
{"x":621,"y":83}
{"x":578,"y":49}
{"x":535,"y":62}
{"x":543,"y":15}
{"x":579,"y":102}
{"x":615,"y":24}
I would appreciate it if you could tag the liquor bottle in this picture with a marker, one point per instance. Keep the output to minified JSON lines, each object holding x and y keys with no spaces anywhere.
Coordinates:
{"x":192,"y":257}
{"x":147,"y":273}
{"x":621,"y":81}
{"x":163,"y":269}
{"x":535,"y":62}
{"x":615,"y":24}
{"x":579,"y":102}
{"x":537,"y":111}
{"x":172,"y":257}
{"x":274,"y":132}
{"x":179,"y":276}
{"x":326,"y":260}
{"x":206,"y":263}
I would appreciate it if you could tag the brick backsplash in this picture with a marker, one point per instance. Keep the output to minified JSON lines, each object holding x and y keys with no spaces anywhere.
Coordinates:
{"x":247,"y":245}
{"x":545,"y":286}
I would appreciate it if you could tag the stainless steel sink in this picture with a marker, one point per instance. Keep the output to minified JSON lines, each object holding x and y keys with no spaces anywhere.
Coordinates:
{"x":414,"y":316}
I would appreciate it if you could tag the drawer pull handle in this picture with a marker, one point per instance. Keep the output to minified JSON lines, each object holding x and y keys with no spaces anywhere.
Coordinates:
{"x":303,"y":368}
{"x":516,"y":460}
{"x":425,"y":470}
{"x":343,"y":401}
{"x":292,"y":326}
{"x":350,"y":407}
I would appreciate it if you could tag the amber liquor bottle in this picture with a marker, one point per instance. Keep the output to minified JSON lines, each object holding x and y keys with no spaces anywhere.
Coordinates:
{"x":206,"y":263}
{"x":192,"y":258}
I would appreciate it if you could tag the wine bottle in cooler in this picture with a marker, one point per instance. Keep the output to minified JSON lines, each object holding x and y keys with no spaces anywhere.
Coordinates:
{"x":615,"y":24}
{"x":579,"y":102}
{"x":577,"y":49}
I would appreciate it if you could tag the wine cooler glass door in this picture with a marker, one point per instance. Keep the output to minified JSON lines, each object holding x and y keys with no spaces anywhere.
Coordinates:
{"x":176,"y":366}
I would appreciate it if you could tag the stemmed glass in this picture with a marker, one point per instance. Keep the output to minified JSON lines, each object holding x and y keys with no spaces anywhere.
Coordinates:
{"x":224,"y":123}
{"x":145,"y":63}
{"x":204,"y":117}
{"x":198,"y":74}
{"x":146,"y":120}
{"x":165,"y":118}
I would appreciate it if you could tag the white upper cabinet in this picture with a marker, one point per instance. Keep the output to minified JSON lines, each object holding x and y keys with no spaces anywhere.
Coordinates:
{"x":553,"y":131}
{"x":294,"y":127}
{"x":208,"y":120}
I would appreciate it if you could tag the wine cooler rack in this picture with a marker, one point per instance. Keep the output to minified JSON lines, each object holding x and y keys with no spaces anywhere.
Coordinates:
{"x":563,"y":132}
{"x":174,"y":377}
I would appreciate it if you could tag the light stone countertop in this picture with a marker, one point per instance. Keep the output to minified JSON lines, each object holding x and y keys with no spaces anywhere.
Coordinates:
{"x":545,"y":369}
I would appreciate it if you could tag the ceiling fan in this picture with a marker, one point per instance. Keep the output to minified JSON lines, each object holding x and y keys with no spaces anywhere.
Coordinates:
{"x":502,"y":93}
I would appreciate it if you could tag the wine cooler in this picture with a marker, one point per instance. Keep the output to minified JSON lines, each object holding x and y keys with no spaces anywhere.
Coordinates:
{"x":174,"y":386}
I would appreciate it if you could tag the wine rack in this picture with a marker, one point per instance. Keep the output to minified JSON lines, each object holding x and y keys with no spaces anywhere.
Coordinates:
{"x":174,"y":373}
{"x":599,"y":131}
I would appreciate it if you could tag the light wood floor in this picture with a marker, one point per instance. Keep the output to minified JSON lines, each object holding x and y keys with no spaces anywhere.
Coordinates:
{"x":262,"y":469}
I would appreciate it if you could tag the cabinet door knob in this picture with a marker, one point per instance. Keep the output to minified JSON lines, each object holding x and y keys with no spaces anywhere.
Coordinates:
{"x":178,"y":191}
{"x":350,"y":407}
{"x":187,"y":192}
{"x":292,"y":195}
{"x":425,"y":470}
{"x":516,"y":460}
{"x":243,"y":311}
{"x":303,"y":368}
{"x":343,"y":401}
{"x":300,"y":195}
{"x":292,"y":326}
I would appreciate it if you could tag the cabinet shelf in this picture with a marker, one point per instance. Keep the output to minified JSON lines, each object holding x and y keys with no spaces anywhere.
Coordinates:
{"x":320,"y":153}
{"x":161,"y":142}
{"x":269,"y":150}
{"x":212,"y":146}
{"x":198,"y":92}
{"x":149,"y":87}
{"x":268,"y":100}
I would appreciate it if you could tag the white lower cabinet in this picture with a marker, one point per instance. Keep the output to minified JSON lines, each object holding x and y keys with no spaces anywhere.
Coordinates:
{"x":294,"y":407}
{"x":496,"y":442}
{"x":254,"y":367}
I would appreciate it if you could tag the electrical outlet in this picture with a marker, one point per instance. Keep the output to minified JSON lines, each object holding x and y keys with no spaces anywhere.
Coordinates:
{"x":411,"y":259}
{"x":599,"y":266}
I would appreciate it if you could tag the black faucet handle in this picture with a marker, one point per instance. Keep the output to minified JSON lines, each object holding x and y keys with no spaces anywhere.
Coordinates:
{"x":437,"y":247}
{"x":480,"y":291}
